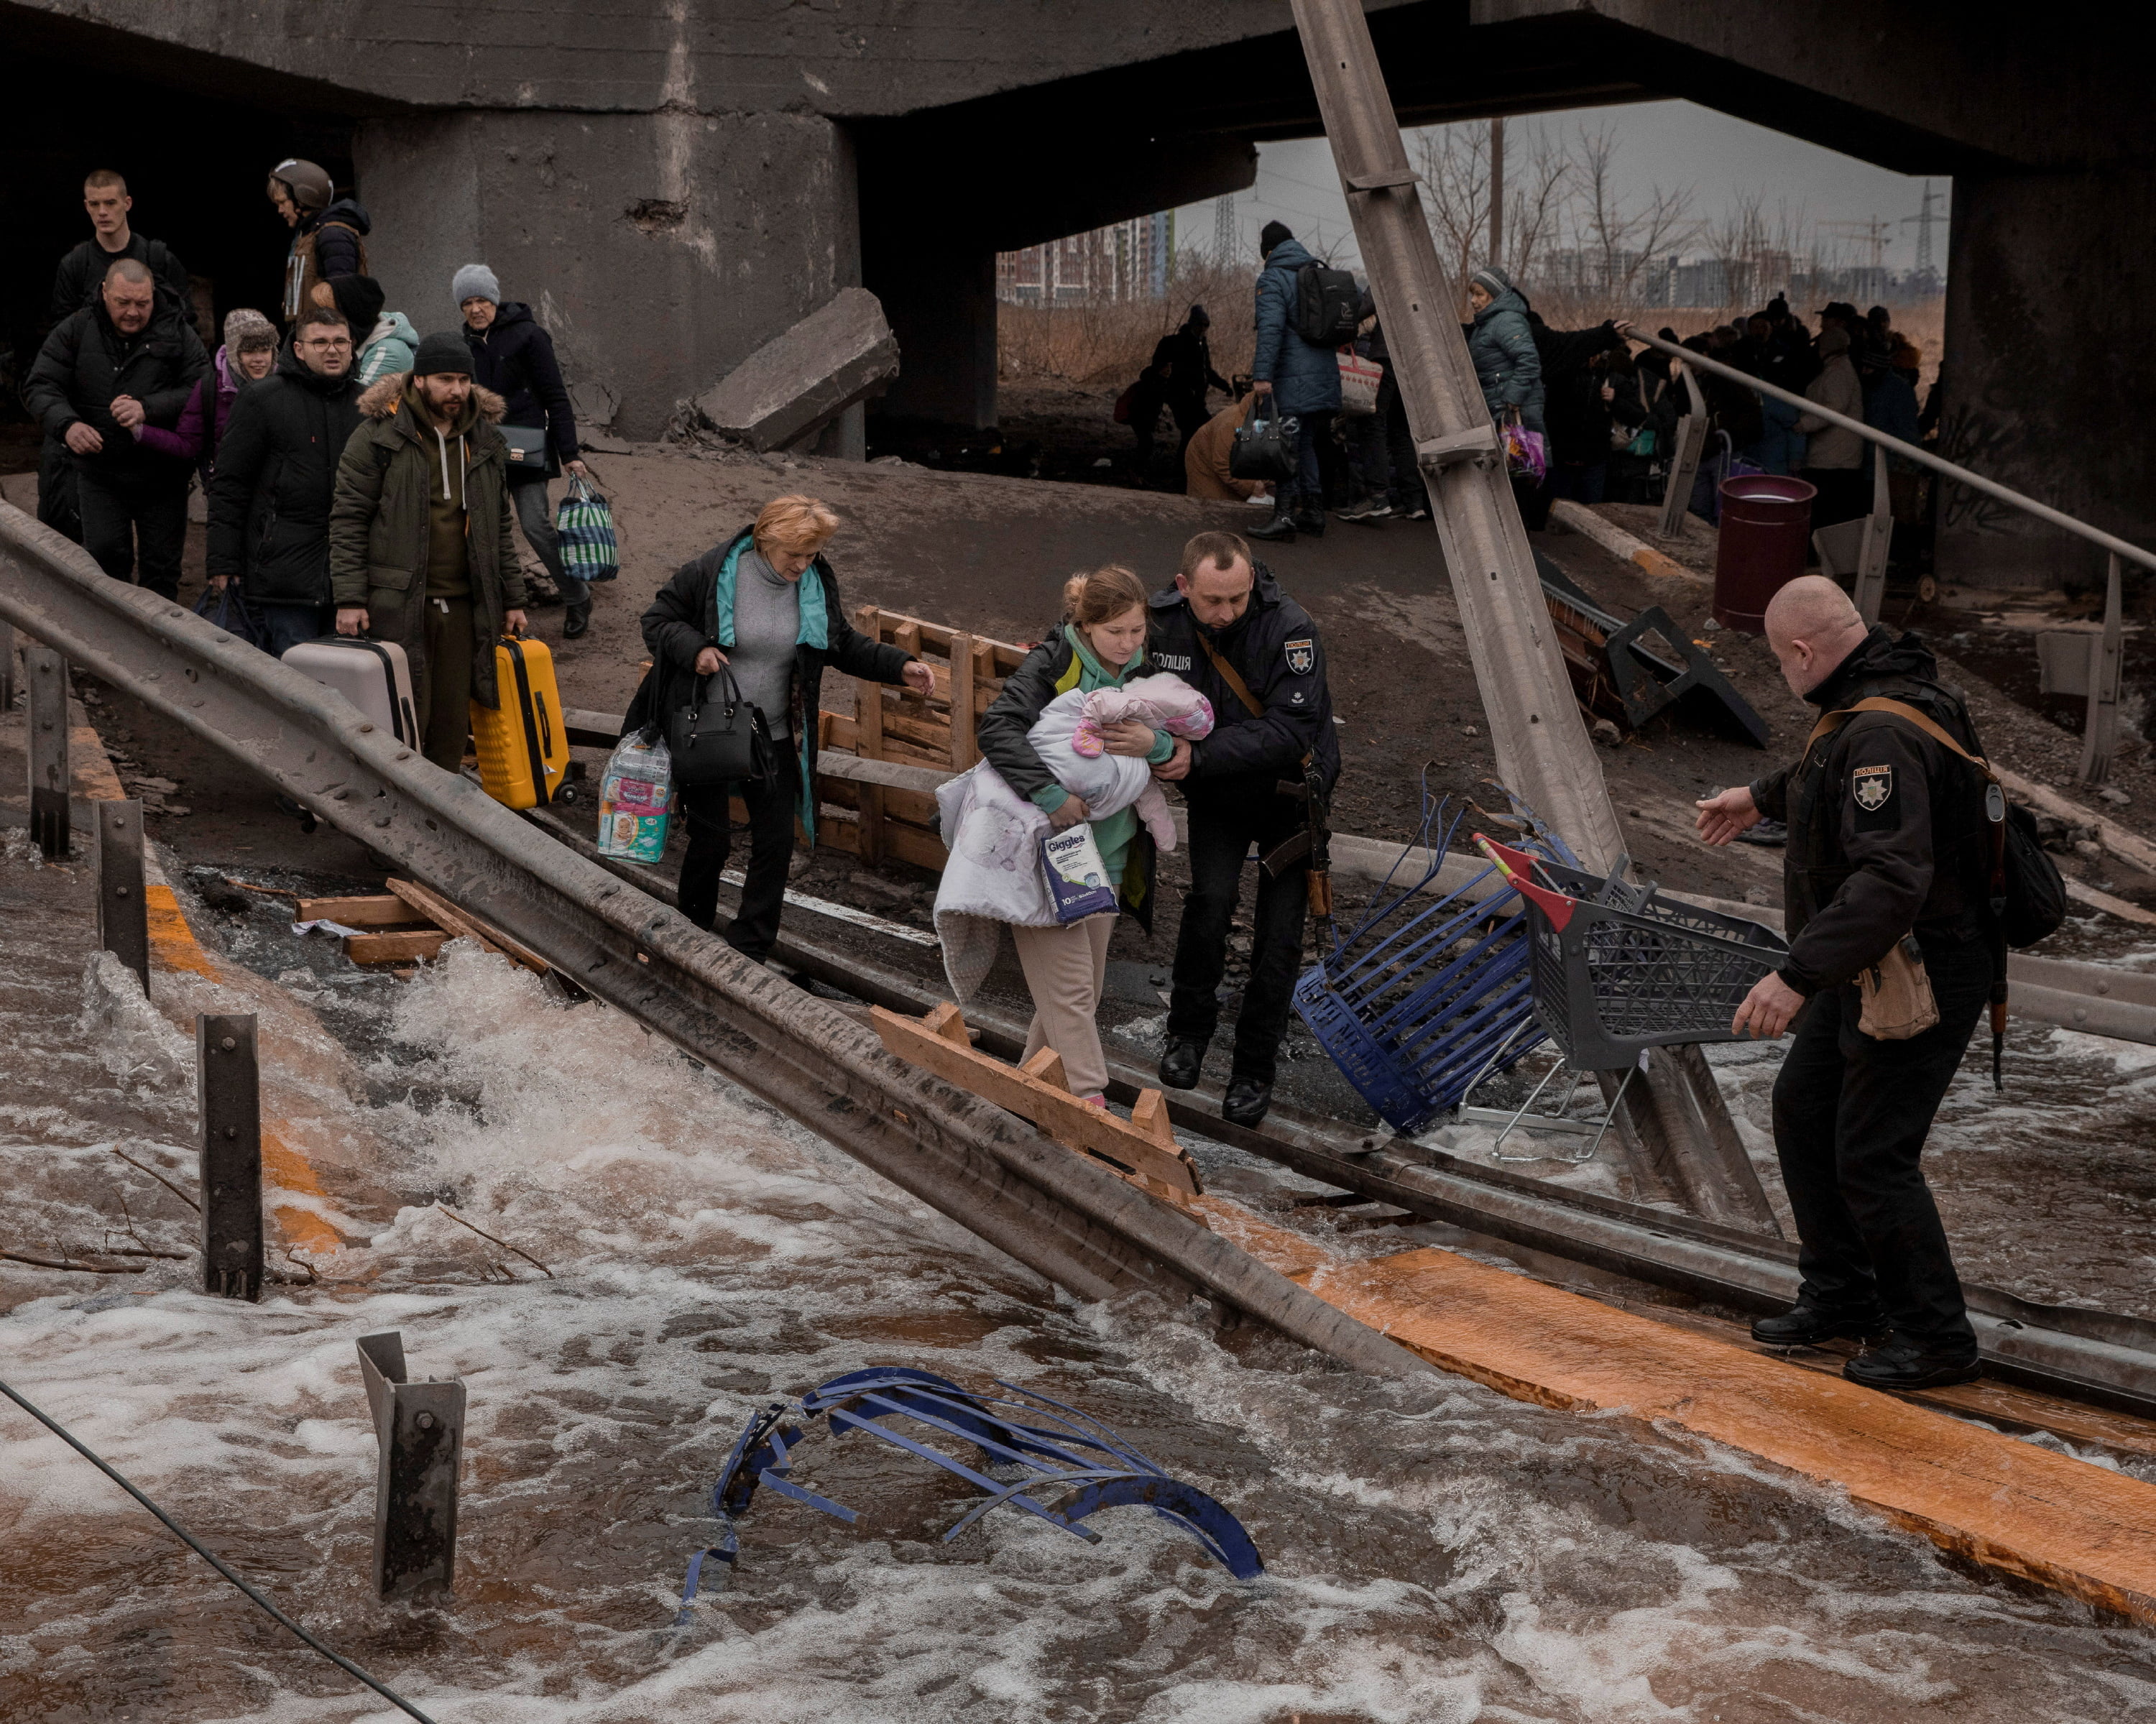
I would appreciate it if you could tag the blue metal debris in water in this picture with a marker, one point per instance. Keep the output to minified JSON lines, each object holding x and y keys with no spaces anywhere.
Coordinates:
{"x":1429,"y":996}
{"x":1040,"y":1445}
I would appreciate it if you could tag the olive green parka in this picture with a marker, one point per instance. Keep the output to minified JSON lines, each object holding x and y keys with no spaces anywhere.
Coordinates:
{"x":378,"y":527}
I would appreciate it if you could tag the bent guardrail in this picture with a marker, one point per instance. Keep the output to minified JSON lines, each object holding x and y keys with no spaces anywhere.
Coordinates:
{"x":1069,"y":1220}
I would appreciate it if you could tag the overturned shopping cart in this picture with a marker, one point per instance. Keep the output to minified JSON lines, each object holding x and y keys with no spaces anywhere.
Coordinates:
{"x":1430,"y":994}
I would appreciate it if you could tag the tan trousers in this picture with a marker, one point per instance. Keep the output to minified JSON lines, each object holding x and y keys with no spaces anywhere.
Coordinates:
{"x":1064,"y":967}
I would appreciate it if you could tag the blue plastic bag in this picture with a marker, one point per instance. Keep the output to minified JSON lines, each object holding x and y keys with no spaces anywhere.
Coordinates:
{"x":583,"y":530}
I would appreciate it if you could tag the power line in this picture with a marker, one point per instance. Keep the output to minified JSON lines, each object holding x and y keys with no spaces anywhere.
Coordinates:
{"x":211,"y":1558}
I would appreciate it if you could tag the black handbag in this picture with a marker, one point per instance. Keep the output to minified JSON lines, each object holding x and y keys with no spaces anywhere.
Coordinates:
{"x":1265,"y":446}
{"x":718,"y":740}
{"x":531,"y":452}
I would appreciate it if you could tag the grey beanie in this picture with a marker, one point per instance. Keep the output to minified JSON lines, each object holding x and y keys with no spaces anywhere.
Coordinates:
{"x":1494,"y":279}
{"x":246,"y":330}
{"x":475,"y":281}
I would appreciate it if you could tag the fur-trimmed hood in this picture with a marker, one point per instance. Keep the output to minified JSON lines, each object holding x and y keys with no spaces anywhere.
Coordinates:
{"x":378,"y":401}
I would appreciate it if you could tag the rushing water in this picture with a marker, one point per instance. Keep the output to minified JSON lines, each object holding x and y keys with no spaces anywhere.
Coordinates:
{"x":1434,"y":1551}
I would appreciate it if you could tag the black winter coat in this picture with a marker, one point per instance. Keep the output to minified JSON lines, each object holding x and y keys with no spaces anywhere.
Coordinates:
{"x":82,"y":272}
{"x":275,"y":479}
{"x":1001,"y":735}
{"x":515,"y":358}
{"x":1886,"y":828}
{"x":682,"y":621}
{"x":85,"y":362}
{"x":1275,"y":648}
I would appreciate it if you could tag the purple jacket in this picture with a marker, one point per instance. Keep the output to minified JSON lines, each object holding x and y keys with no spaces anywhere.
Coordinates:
{"x":187,"y":441}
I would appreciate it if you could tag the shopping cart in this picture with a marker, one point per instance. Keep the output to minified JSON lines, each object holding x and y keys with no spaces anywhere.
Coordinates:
{"x":1430,"y":996}
{"x":1617,"y":969}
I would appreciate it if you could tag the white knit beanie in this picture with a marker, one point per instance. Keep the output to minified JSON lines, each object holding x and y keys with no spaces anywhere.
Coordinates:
{"x":475,"y":281}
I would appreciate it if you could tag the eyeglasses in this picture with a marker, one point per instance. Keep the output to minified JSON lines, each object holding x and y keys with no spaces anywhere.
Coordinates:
{"x":329,"y":342}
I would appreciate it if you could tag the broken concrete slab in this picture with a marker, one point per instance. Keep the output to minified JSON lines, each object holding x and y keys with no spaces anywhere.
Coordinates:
{"x":794,"y":385}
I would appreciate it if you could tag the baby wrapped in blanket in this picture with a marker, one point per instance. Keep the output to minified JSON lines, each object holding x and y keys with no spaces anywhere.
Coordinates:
{"x":1162,"y":701}
{"x":994,"y":873}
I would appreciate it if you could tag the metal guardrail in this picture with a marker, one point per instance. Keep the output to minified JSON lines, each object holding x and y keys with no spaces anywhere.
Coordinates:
{"x":1073,"y":1222}
{"x":2097,"y":1354}
{"x":1922,"y":457}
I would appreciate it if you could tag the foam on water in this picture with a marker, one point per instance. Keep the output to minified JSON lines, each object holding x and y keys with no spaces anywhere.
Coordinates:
{"x":1435,"y":1553}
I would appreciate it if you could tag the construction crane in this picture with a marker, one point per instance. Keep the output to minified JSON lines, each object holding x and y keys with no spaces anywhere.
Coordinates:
{"x":1873,"y":234}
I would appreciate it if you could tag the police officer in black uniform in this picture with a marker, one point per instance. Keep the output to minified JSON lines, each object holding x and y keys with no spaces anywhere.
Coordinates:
{"x":1887,"y":838}
{"x":1227,"y":628}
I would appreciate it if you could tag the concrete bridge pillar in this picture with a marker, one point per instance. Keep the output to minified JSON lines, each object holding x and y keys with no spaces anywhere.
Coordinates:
{"x":659,"y":249}
{"x":2050,"y":368}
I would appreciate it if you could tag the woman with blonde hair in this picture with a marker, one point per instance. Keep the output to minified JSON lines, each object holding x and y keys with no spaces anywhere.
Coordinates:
{"x":765,"y":606}
{"x":1100,"y":644}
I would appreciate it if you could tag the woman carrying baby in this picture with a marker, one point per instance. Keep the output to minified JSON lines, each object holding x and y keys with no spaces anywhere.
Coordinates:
{"x":1101,"y":645}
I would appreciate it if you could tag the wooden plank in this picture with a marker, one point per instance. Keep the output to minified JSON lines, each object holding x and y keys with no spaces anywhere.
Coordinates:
{"x":906,"y":636}
{"x":1035,"y":1093}
{"x":902,"y":842}
{"x":928,"y":731}
{"x":945,"y":1020}
{"x":2086,"y":1530}
{"x":400,"y":948}
{"x":590,"y":729}
{"x":963,"y":753}
{"x":459,"y":920}
{"x":908,"y":805}
{"x":894,"y":775}
{"x":384,"y":910}
{"x":868,"y":742}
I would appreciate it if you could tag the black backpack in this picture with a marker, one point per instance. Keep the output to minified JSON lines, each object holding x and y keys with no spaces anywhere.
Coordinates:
{"x":1326,"y":306}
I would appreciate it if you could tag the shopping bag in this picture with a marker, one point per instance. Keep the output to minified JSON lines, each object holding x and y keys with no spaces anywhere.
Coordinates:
{"x":1265,"y":445}
{"x":635,"y":794}
{"x":1526,"y":452}
{"x":583,"y":529}
{"x":228,"y":610}
{"x":1359,"y":378}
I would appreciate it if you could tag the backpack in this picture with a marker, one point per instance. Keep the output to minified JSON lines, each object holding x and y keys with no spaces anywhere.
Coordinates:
{"x":2028,"y":899}
{"x":1326,"y":306}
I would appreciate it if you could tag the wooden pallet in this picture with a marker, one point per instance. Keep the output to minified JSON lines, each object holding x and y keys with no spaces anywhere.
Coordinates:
{"x":1142,"y":1148}
{"x":411,"y":923}
{"x":877,"y":823}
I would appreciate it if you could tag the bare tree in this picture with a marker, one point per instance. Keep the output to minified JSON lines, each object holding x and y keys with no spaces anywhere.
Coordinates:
{"x":1624,"y":238}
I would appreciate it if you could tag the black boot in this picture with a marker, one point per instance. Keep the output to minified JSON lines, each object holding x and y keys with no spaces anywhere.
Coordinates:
{"x":1281,"y":529}
{"x":1807,"y":1325}
{"x":1310,"y":522}
{"x":1903,"y":1365}
{"x":576,"y":620}
{"x":1178,"y":1065}
{"x":1246,"y":1102}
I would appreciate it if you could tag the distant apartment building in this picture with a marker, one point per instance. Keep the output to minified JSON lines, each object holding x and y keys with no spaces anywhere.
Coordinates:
{"x":1126,"y":260}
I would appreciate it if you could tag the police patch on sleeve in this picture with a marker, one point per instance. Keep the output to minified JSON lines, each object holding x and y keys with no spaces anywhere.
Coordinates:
{"x":1872,"y":788}
{"x":1302,"y":655}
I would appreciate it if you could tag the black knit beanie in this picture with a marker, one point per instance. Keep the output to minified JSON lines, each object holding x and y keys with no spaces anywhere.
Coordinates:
{"x":1271,"y":236}
{"x":360,"y":299}
{"x":441,"y":353}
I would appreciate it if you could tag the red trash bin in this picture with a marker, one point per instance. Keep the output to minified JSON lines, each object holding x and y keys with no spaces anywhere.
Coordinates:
{"x":1766,"y":527}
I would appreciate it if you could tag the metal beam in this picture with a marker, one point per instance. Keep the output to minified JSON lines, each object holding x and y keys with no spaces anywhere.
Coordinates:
{"x":1542,"y":748}
{"x":50,"y":778}
{"x":229,"y":1087}
{"x":419,"y":1435}
{"x":1071,"y":1220}
{"x":123,"y":915}
{"x":1878,"y":540}
{"x":1684,"y":459}
{"x":2106,"y":665}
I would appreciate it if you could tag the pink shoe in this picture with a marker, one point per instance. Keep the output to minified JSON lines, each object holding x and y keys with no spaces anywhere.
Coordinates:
{"x":1096,"y":1100}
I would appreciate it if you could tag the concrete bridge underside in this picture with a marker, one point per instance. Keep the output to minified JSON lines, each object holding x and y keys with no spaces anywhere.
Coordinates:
{"x":671,"y":182}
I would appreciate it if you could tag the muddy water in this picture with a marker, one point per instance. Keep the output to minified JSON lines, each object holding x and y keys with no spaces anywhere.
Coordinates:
{"x":1435,"y":1552}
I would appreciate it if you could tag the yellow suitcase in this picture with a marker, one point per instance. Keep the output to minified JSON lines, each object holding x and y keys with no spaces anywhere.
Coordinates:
{"x":523,"y":744}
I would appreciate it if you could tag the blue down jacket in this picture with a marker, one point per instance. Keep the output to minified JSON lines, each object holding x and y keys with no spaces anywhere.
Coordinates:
{"x":1304,"y":379}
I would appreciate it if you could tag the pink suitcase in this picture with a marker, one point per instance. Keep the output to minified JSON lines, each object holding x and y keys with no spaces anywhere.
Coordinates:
{"x":372,"y":675}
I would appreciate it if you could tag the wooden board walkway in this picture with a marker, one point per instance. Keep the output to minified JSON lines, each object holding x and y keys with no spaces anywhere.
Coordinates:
{"x":2064,"y":1523}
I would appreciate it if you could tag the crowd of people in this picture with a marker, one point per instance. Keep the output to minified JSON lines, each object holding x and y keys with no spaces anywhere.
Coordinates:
{"x":1606,"y":409}
{"x":134,"y":408}
{"x":364,"y":478}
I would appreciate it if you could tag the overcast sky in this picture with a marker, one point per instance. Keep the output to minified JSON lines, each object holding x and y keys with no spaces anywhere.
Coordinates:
{"x":1674,"y":144}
